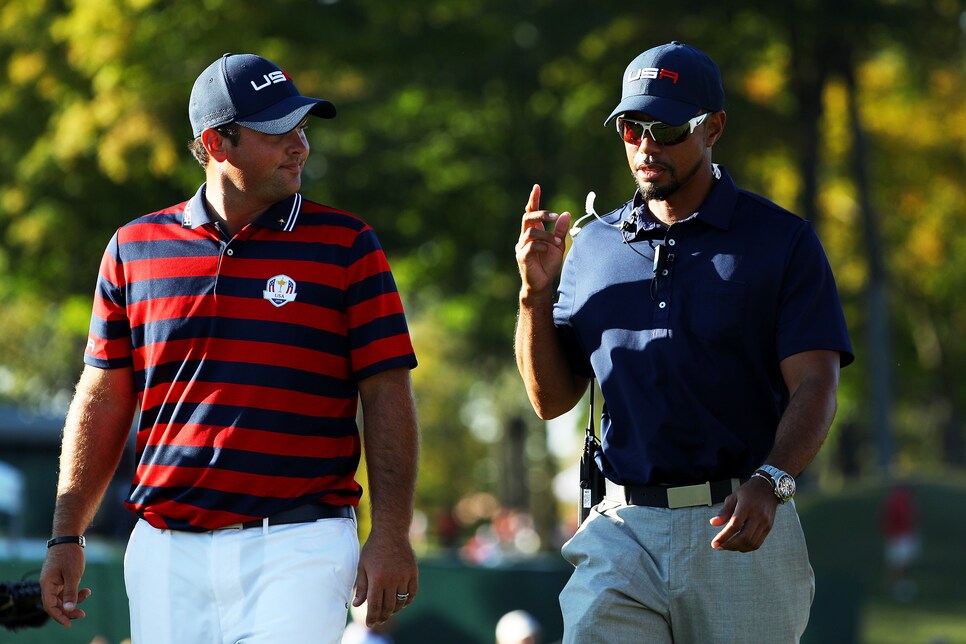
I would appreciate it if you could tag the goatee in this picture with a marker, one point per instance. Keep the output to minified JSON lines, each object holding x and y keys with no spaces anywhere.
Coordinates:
{"x":652,"y":192}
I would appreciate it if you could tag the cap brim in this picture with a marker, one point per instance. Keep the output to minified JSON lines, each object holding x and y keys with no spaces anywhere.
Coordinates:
{"x":285,"y":115}
{"x":661,"y":109}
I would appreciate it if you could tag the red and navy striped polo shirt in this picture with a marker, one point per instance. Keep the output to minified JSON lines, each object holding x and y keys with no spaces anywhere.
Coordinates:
{"x":246,"y":353}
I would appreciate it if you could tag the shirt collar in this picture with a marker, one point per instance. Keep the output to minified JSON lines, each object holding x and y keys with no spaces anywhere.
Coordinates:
{"x":716,"y":210}
{"x":719,"y":205}
{"x":282,"y":215}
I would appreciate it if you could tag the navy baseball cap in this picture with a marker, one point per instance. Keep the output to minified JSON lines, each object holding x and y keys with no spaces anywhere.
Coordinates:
{"x":251,"y":91}
{"x":671,"y":83}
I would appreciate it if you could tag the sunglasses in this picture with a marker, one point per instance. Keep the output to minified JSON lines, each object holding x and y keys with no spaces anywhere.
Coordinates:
{"x":633,"y":132}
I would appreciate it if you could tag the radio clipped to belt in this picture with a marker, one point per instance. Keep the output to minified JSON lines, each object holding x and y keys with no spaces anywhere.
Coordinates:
{"x":592,"y":483}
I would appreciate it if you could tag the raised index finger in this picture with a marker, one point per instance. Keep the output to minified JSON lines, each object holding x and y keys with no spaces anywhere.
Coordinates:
{"x":533,"y":204}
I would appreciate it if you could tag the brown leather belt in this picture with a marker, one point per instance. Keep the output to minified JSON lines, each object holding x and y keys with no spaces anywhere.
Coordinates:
{"x":673,"y":496}
{"x":307,"y":513}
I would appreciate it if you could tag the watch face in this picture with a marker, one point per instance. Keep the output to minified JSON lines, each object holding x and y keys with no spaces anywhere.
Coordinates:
{"x":785,"y":487}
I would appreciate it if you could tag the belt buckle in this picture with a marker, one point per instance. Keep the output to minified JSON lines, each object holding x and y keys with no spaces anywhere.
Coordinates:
{"x":689,"y":495}
{"x":233,"y":526}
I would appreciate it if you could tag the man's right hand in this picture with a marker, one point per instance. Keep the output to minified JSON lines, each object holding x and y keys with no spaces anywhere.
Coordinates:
{"x":540,"y":253}
{"x":59,"y":580}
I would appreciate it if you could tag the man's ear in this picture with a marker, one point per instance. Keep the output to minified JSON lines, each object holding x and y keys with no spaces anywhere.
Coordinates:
{"x":215,"y":144}
{"x":714,"y":128}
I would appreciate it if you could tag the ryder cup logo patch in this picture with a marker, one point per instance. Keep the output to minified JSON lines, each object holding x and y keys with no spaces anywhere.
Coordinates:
{"x":279,"y":290}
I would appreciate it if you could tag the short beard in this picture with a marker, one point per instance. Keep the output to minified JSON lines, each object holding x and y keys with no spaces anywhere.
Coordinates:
{"x":652,"y":192}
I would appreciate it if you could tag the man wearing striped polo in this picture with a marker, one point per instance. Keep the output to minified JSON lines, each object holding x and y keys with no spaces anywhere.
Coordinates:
{"x":247,"y":324}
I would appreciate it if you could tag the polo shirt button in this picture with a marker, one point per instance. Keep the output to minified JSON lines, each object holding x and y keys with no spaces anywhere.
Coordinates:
{"x":230,"y":252}
{"x":670,"y":242}
{"x":662,"y":305}
{"x":664,"y":272}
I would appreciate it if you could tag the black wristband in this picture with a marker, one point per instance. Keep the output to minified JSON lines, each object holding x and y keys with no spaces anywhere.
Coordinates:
{"x":78,"y":539}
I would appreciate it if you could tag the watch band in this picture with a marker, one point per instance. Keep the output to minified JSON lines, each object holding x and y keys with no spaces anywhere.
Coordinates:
{"x":78,"y":539}
{"x":782,"y":483}
{"x":763,"y":475}
{"x":773,"y":472}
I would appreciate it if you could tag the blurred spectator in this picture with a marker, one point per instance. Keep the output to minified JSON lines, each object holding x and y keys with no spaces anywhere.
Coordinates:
{"x":900,"y":528}
{"x":12,"y":490}
{"x":518,"y":627}
{"x":448,"y":529}
{"x":508,"y":535}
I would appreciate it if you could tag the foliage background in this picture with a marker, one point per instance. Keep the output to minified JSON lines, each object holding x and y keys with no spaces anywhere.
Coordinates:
{"x":449,"y":110}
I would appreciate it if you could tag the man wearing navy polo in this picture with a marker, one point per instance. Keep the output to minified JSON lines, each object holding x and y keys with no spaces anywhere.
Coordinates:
{"x":711,"y":319}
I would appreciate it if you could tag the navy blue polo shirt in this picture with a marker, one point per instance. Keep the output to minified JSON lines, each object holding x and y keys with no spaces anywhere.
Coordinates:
{"x":688,"y":360}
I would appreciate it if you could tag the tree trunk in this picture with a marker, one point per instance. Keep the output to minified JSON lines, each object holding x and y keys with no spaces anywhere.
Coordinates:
{"x":878,"y":344}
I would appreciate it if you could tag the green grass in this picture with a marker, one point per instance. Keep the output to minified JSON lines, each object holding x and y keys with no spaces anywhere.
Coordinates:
{"x":846,"y":547}
{"x":887,"y":623}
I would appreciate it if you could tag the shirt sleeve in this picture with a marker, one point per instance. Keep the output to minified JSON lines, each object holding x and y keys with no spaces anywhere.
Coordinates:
{"x":563,"y":310}
{"x":378,"y":333}
{"x":810,"y":315}
{"x":109,"y":338}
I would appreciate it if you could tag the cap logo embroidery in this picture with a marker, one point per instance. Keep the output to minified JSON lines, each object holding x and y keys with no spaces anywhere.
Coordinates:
{"x":280,"y":290}
{"x":274,"y":77}
{"x":651,"y":73}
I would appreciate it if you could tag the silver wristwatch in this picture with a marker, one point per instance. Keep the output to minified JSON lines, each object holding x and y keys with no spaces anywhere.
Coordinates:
{"x":782,"y":483}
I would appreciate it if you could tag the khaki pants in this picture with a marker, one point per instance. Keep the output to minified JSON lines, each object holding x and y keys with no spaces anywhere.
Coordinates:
{"x":649,"y":575}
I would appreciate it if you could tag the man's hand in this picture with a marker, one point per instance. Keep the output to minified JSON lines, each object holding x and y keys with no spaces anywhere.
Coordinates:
{"x":540,"y":253}
{"x":59,"y":580}
{"x":747,"y":516}
{"x":387,"y":569}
